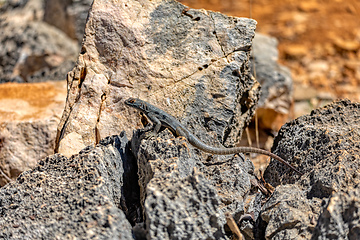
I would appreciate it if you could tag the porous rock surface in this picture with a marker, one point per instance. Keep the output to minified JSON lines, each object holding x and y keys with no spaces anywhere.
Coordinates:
{"x":75,"y":198}
{"x":290,"y":214}
{"x":191,"y":63}
{"x":324,"y":146}
{"x":340,"y":219}
{"x":182,"y":194}
{"x":184,"y":197}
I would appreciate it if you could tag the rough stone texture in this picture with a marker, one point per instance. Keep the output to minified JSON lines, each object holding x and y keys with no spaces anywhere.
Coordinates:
{"x":32,"y":50}
{"x":159,"y":156}
{"x":183,"y":208}
{"x":23,"y":144}
{"x":68,"y":15}
{"x":179,"y":201}
{"x":341,"y":218}
{"x":289,"y":213}
{"x":29,"y":116}
{"x":230,"y":176}
{"x":76,"y":198}
{"x":276,"y":83}
{"x":324,"y":145}
{"x":192,"y":64}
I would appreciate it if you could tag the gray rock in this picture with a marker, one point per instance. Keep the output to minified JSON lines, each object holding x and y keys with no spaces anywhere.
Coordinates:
{"x":340,"y":218}
{"x":289,"y":213}
{"x":12,"y":4}
{"x":191,"y":63}
{"x":230,"y":177}
{"x":72,"y":198}
{"x":276,"y":82}
{"x":33,"y":51}
{"x":161,"y":155}
{"x":68,"y":16}
{"x":179,"y":202}
{"x":324,"y":146}
{"x":183,"y":208}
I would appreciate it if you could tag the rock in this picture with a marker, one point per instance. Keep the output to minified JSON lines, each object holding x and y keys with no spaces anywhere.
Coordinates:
{"x":231,"y":176}
{"x":191,"y":63}
{"x":75,"y":198}
{"x":29,"y":116}
{"x":12,"y":4}
{"x":289,"y":213}
{"x":319,"y":66}
{"x":309,"y":6}
{"x":33,"y":51}
{"x":347,"y":45}
{"x":324,"y":146}
{"x":68,"y":16}
{"x":186,"y":208}
{"x":161,"y":156}
{"x":165,"y":156}
{"x":276,"y":84}
{"x":304,"y":93}
{"x":23,"y":144}
{"x":340,"y":217}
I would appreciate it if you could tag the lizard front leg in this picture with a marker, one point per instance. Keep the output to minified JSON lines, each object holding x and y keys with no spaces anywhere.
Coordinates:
{"x":152,"y":129}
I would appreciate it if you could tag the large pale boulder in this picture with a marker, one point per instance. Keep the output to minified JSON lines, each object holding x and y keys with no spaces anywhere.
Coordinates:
{"x":191,"y":63}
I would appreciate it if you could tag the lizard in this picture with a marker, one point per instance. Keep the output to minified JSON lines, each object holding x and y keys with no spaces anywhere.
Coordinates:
{"x":160,"y":118}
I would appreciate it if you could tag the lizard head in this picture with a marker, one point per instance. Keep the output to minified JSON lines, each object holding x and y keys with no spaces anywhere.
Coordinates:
{"x":136,"y":103}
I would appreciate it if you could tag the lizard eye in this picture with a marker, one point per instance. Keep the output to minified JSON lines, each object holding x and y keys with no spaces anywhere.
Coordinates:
{"x":132,"y":100}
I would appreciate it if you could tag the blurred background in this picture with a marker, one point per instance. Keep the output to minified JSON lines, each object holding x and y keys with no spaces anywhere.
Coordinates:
{"x":318,"y":40}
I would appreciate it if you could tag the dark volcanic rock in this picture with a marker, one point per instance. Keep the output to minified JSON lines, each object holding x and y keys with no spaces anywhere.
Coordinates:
{"x":184,"y":197}
{"x":324,"y":145}
{"x":183,"y":208}
{"x":72,"y":198}
{"x":340,"y":218}
{"x":290,"y":214}
{"x":231,"y":176}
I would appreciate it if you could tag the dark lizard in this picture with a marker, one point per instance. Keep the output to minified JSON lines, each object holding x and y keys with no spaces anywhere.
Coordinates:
{"x":161,"y":118}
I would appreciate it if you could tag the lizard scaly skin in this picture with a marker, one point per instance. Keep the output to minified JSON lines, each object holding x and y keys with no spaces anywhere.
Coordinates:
{"x":161,"y":118}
